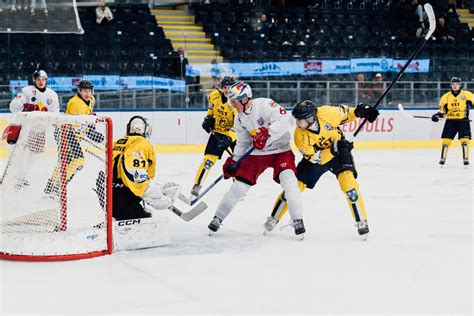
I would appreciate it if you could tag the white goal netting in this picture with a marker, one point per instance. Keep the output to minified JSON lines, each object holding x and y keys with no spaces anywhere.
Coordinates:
{"x":54,"y":189}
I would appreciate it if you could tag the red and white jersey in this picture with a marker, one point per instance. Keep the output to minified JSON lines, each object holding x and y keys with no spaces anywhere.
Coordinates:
{"x":263,"y":113}
{"x":32,"y":95}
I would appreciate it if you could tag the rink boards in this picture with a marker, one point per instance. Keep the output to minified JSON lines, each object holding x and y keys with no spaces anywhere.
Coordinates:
{"x":181,"y":132}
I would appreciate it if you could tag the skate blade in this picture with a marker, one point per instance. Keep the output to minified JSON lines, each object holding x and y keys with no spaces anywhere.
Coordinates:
{"x":300,"y":237}
{"x":364,"y":237}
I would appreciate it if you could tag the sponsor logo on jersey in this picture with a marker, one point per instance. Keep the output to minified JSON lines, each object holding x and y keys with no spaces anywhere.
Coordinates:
{"x":18,"y":96}
{"x":49,"y":101}
{"x":328,"y":127}
{"x":463,"y":97}
{"x":273,"y":104}
{"x":260,"y":121}
{"x":34,"y":92}
{"x":33,"y":99}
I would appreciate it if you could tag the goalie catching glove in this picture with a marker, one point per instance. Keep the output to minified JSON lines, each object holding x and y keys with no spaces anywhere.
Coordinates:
{"x":161,"y":197}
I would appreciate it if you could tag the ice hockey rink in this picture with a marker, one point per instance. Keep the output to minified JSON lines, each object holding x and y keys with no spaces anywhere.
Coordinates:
{"x":417,"y":259}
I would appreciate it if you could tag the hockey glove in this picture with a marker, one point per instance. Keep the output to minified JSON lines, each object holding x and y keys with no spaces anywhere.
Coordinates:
{"x":11,"y":133}
{"x":366,"y":111}
{"x":208,"y":123}
{"x":230,"y":168}
{"x":29,"y":107}
{"x":341,"y":147}
{"x":436,"y":117}
{"x":259,"y":141}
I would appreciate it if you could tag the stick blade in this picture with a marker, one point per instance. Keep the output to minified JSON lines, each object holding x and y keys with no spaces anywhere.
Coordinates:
{"x":195,"y":211}
{"x":431,"y":19}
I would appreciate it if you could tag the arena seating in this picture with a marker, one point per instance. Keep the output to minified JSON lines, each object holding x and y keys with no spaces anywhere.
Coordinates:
{"x":131,"y":45}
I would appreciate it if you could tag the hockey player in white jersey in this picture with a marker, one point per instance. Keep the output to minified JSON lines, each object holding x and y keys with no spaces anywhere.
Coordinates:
{"x":265,"y":125}
{"x":36,"y":97}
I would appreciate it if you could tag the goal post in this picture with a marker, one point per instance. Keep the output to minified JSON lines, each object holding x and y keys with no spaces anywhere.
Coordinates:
{"x":56,"y":189}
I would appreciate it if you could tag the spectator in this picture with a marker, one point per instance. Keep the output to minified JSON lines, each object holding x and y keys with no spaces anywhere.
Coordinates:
{"x":182,"y":63}
{"x":442,"y":32}
{"x":103,"y":14}
{"x":215,"y":74}
{"x":363,"y":89}
{"x":43,"y":7}
{"x":377,"y":86}
{"x":264,"y":25}
{"x":422,"y":18}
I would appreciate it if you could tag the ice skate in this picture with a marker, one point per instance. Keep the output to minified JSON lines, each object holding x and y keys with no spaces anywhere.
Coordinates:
{"x":466,"y":162}
{"x":442,"y":161}
{"x":363,"y":229}
{"x":270,"y":224}
{"x":298,"y":225}
{"x":214,"y":225}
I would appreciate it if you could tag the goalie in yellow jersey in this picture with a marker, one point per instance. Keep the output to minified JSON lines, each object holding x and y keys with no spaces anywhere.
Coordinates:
{"x":218,"y":122}
{"x":322,"y":144}
{"x":133,"y":174}
{"x":454,"y":106}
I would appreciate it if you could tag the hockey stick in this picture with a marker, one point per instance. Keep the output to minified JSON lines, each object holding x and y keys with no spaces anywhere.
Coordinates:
{"x":400,"y":107}
{"x":187,"y":200}
{"x":432,"y":21}
{"x":195,"y":211}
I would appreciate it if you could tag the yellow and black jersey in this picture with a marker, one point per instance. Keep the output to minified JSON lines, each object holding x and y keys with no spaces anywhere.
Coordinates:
{"x":455,"y":106}
{"x":134,"y":163}
{"x":78,"y":106}
{"x":315,"y":142}
{"x":224,"y":115}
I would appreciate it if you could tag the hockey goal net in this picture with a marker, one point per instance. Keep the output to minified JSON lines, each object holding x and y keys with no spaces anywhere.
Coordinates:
{"x":55,"y":189}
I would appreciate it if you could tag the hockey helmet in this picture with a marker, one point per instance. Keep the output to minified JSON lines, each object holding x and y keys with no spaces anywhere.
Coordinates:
{"x":138,"y":125}
{"x":227,"y":81}
{"x":238,"y":90}
{"x":303,"y":110}
{"x":85,"y":84}
{"x":40,"y":73}
{"x":456,"y":80}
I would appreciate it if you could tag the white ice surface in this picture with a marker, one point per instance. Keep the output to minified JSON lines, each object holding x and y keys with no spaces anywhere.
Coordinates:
{"x":418,"y":258}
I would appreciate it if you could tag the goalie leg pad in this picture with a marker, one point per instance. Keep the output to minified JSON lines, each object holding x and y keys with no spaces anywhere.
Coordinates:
{"x":139,"y":233}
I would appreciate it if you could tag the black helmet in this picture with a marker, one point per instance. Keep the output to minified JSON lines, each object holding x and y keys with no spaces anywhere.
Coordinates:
{"x":85,"y":84}
{"x":39,"y":73}
{"x":304,"y":109}
{"x":227,"y":81}
{"x":456,"y":80}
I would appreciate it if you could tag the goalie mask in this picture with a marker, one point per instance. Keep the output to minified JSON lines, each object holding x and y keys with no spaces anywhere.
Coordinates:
{"x":138,"y":125}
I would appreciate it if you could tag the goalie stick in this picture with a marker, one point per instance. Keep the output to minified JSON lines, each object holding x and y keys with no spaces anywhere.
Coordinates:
{"x":187,"y":200}
{"x":195,"y":211}
{"x":400,"y":107}
{"x":432,"y":21}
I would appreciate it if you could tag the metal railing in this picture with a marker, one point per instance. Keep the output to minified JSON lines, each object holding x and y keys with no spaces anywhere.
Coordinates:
{"x":409,"y":93}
